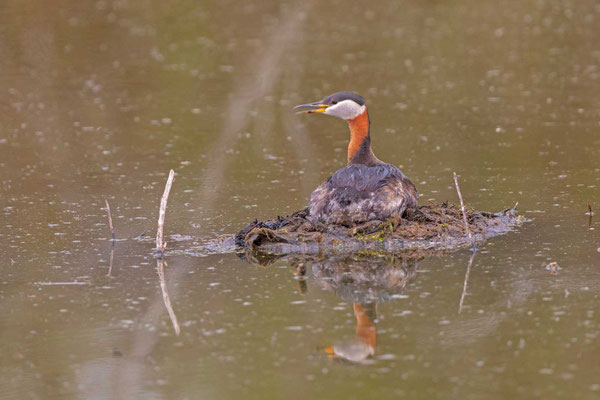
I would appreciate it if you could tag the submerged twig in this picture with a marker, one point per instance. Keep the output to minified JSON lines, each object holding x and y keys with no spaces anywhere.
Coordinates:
{"x":301,"y":270}
{"x":462,"y":207}
{"x":300,"y":273}
{"x":160,"y":244}
{"x":160,"y":263}
{"x":590,"y":213}
{"x":511,"y":209}
{"x":110,"y":264}
{"x":464,"y":292}
{"x":110,"y":223}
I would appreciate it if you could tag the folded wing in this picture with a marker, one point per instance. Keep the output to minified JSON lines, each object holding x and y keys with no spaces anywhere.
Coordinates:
{"x":358,"y":193}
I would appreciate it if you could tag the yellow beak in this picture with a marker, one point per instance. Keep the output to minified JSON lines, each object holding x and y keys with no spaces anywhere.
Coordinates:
{"x":309,"y":108}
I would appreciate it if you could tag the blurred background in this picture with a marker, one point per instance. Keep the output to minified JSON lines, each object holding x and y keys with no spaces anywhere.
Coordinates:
{"x":100,"y":99}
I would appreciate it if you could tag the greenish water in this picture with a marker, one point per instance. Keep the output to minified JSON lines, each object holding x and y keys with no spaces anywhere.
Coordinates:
{"x":99,"y":100}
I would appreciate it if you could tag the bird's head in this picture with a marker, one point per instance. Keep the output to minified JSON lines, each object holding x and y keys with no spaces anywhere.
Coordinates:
{"x":344,"y":105}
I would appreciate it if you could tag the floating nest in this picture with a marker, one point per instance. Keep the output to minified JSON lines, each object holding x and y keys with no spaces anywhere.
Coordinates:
{"x":426,"y":228}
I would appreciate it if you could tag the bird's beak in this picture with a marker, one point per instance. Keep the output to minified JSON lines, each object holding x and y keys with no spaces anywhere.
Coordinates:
{"x":309,"y":108}
{"x":329,"y":351}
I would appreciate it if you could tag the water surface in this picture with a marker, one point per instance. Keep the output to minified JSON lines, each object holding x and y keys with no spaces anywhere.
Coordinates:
{"x":99,"y":100}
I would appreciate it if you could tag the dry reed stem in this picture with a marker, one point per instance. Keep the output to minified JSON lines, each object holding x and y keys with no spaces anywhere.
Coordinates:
{"x":160,"y":244}
{"x":462,"y":207}
{"x":110,"y":223}
{"x":160,"y":263}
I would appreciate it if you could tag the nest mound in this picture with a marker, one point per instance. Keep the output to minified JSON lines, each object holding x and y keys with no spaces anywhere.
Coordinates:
{"x":431,"y":226}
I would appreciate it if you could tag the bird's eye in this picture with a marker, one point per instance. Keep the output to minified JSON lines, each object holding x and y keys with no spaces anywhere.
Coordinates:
{"x":333,"y":102}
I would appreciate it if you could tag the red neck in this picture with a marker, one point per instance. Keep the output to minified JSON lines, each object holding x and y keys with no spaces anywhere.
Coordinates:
{"x":359,"y":148}
{"x":366,"y":330}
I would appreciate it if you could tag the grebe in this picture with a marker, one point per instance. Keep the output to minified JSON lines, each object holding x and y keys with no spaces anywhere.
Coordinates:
{"x":367,"y":188}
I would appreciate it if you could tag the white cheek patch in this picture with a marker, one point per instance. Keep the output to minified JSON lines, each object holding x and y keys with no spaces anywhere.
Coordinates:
{"x":347,"y":109}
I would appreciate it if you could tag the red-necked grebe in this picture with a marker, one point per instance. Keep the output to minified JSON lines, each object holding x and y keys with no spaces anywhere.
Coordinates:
{"x":367,"y":188}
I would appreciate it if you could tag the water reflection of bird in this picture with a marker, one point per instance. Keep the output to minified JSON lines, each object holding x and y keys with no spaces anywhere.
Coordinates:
{"x":363,"y":281}
{"x":367,"y":188}
{"x":362,"y":345}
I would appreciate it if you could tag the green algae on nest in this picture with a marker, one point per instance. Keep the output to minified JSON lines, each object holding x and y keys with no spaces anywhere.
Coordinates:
{"x":428,"y":227}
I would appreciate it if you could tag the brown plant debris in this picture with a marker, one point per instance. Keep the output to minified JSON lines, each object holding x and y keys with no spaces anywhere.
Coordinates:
{"x":431,"y":226}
